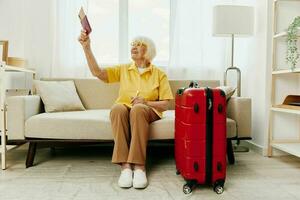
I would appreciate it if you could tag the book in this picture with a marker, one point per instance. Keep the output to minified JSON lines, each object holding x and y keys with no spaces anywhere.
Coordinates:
{"x":84,"y":21}
{"x":294,"y":103}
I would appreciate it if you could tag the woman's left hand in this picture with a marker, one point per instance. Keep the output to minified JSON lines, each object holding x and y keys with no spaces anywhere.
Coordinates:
{"x":137,"y":100}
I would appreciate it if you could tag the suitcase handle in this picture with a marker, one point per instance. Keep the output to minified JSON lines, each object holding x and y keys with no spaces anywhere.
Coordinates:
{"x":220,"y":108}
{"x":196,"y":166}
{"x":219,"y":167}
{"x":193,"y":84}
{"x":180,"y":91}
{"x":196,"y":108}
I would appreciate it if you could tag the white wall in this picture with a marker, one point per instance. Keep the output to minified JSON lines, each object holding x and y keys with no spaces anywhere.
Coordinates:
{"x":254,"y":72}
{"x":12,"y":26}
{"x":27,"y":24}
{"x":38,"y":35}
{"x":12,"y":29}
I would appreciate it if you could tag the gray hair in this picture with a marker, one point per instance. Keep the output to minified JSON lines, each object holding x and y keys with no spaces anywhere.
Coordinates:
{"x":151,"y":49}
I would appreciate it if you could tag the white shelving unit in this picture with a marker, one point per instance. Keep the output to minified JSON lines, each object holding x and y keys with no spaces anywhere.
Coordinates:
{"x":3,"y":73}
{"x":284,"y":109}
{"x":291,"y":148}
{"x":285,"y":71}
{"x":288,"y":145}
{"x":282,"y":34}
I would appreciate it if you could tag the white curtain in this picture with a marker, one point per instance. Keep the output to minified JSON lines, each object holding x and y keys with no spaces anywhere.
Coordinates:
{"x":194,"y":52}
{"x":68,"y":58}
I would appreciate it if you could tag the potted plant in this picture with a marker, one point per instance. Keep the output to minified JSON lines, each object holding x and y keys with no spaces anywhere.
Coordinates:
{"x":292,"y":49}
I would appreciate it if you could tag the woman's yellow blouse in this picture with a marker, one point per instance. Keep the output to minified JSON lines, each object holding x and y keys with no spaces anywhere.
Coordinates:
{"x":152,"y":84}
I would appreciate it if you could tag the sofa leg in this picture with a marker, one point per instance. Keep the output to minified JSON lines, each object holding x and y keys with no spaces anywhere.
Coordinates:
{"x":31,"y":154}
{"x":230,"y":154}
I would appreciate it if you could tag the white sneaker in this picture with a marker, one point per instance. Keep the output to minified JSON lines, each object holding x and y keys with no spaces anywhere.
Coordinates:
{"x":139,"y":179}
{"x":125,"y":180}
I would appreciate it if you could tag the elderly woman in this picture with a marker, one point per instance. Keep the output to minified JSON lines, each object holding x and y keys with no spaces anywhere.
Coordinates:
{"x":144,"y":94}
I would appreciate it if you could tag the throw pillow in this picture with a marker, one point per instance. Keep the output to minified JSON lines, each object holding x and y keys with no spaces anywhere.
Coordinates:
{"x":59,"y":96}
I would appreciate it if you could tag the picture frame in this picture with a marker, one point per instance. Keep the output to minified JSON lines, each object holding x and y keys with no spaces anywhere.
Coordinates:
{"x":4,"y":50}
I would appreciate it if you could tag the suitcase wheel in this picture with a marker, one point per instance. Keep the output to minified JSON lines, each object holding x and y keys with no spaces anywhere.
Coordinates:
{"x":219,"y":186}
{"x":177,"y":172}
{"x":187,"y":189}
{"x":219,"y":189}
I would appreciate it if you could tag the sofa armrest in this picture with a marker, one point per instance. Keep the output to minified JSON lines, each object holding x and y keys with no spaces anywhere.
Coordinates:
{"x":19,"y":109}
{"x":239,"y":109}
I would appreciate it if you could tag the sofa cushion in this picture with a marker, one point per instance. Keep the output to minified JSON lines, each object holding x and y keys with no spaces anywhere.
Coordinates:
{"x":231,"y":128}
{"x":95,"y":124}
{"x":163,"y":128}
{"x":89,"y":124}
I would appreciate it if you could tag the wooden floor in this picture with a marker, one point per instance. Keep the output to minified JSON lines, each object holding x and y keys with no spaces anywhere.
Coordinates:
{"x":87,"y":173}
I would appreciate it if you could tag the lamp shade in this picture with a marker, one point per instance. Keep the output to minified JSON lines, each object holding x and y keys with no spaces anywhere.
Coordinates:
{"x":231,"y":19}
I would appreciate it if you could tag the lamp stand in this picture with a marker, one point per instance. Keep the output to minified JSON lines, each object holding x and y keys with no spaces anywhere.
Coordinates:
{"x":232,"y":49}
{"x":232,"y":67}
{"x":237,"y":147}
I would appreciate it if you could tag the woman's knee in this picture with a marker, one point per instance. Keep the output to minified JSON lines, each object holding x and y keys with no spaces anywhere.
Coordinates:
{"x":118,"y":110}
{"x":138,"y":110}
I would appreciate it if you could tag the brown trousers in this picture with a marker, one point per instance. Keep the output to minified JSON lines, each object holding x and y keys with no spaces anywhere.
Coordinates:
{"x":131,"y":130}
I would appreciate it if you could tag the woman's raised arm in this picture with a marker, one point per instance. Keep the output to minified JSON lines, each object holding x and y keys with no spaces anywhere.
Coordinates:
{"x":92,"y":63}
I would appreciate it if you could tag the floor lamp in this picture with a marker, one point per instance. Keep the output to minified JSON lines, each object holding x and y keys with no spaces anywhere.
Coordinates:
{"x":232,"y":21}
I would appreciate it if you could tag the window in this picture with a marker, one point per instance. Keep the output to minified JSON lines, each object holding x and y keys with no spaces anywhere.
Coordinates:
{"x":151,"y":18}
{"x":114,"y":23}
{"x":104,"y":19}
{"x":148,"y":18}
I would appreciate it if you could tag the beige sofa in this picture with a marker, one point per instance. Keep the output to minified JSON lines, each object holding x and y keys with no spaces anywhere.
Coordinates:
{"x":28,"y":121}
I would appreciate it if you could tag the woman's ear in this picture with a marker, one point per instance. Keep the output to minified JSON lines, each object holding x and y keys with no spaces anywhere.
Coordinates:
{"x":146,"y":55}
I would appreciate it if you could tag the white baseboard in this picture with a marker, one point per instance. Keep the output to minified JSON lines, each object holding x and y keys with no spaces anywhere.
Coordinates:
{"x":261,"y":150}
{"x":253,"y":146}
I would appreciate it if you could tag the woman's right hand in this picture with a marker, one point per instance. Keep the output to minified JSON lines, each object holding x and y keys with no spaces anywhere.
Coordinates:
{"x":84,"y":39}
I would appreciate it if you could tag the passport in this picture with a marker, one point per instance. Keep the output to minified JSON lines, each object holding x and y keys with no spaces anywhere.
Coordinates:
{"x":84,"y":21}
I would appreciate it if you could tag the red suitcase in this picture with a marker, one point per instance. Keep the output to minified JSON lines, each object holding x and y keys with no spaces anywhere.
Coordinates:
{"x":200,"y":137}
